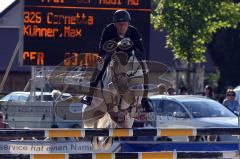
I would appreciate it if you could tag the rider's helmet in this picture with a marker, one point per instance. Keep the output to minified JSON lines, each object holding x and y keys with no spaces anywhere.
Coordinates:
{"x":121,"y":16}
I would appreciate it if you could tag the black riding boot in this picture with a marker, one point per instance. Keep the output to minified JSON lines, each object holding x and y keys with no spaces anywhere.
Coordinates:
{"x":96,"y":77}
{"x":93,"y":84}
{"x":146,"y":103}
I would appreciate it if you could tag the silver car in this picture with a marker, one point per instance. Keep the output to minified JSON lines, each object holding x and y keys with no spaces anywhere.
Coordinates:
{"x":191,"y":112}
{"x":20,"y":96}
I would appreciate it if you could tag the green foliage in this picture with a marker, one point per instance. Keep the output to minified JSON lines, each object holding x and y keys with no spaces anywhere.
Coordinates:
{"x":212,"y":78}
{"x":225,"y":52}
{"x":190,"y":24}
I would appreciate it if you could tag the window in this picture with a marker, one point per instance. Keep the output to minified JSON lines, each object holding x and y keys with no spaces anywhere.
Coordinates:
{"x":22,"y":98}
{"x":207,"y":108}
{"x":157,"y":106}
{"x":13,"y":97}
{"x":6,"y":98}
{"x":170,"y":108}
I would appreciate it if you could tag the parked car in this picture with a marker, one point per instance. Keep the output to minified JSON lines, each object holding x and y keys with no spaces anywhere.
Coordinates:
{"x":21,"y":96}
{"x":20,"y":111}
{"x":185,"y":111}
{"x":15,"y":96}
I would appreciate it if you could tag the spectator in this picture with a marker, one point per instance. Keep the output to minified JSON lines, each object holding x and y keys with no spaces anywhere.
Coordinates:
{"x":183,"y":91}
{"x":230,"y":101}
{"x":237,"y":91}
{"x":208,"y":92}
{"x":162,"y":88}
{"x":2,"y":123}
{"x":170,"y":91}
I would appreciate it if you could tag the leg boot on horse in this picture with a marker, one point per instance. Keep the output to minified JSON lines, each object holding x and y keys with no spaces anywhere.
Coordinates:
{"x":146,"y":105}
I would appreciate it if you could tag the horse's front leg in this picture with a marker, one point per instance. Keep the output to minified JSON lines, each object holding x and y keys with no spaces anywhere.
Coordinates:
{"x":126,"y":123}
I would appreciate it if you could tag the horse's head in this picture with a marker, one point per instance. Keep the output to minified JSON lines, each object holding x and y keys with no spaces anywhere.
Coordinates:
{"x":119,"y":68}
{"x":123,"y":66}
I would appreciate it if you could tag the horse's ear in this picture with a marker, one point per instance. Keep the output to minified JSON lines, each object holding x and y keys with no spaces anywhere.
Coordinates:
{"x":123,"y":57}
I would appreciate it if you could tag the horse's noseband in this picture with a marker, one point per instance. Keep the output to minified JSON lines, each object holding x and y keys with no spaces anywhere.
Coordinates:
{"x":120,"y":82}
{"x":121,"y":57}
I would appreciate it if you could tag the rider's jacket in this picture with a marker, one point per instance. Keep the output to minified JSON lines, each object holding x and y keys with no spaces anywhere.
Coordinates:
{"x":110,"y":33}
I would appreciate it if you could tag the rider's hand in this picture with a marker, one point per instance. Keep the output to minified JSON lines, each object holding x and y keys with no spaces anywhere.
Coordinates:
{"x":110,"y":46}
{"x":100,"y":63}
{"x":125,"y":44}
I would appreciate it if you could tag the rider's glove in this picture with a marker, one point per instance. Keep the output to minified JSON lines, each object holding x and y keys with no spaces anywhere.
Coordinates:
{"x":100,"y":63}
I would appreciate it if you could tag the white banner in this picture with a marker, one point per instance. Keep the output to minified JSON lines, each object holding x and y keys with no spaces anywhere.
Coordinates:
{"x":47,"y":147}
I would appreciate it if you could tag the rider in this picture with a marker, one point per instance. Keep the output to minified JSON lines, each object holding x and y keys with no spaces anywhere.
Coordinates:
{"x":118,"y":30}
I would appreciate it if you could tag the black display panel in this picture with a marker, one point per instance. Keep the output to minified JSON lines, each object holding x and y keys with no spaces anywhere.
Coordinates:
{"x":55,"y":30}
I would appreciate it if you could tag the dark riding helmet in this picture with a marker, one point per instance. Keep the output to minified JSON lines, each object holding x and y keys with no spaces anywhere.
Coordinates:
{"x":121,"y":16}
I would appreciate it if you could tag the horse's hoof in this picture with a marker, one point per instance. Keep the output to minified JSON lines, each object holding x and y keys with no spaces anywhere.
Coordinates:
{"x":95,"y":144}
{"x":108,"y":143}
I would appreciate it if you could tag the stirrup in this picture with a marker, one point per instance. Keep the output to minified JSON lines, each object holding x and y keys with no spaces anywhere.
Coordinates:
{"x":86,"y":100}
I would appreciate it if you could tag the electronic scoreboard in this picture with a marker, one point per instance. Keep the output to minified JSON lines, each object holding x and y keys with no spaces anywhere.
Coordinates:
{"x":67,"y":32}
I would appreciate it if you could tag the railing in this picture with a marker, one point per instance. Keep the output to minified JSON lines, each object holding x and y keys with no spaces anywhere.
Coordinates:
{"x":122,"y":133}
{"x":60,"y":132}
{"x":139,"y":155}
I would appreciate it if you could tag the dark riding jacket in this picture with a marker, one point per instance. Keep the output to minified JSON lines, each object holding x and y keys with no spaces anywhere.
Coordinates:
{"x":110,"y":33}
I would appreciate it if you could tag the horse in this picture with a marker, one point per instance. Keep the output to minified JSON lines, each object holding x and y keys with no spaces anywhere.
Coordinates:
{"x":117,"y":96}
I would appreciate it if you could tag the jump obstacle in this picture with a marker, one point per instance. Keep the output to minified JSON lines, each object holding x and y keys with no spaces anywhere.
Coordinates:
{"x":133,"y":132}
{"x":139,"y":155}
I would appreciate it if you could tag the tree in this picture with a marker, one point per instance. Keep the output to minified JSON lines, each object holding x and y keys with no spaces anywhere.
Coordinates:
{"x":190,"y":24}
{"x":224,"y":49}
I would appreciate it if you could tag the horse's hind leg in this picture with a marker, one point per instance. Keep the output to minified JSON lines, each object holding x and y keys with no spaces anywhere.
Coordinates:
{"x":92,"y":118}
{"x":94,"y":140}
{"x":105,"y":122}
